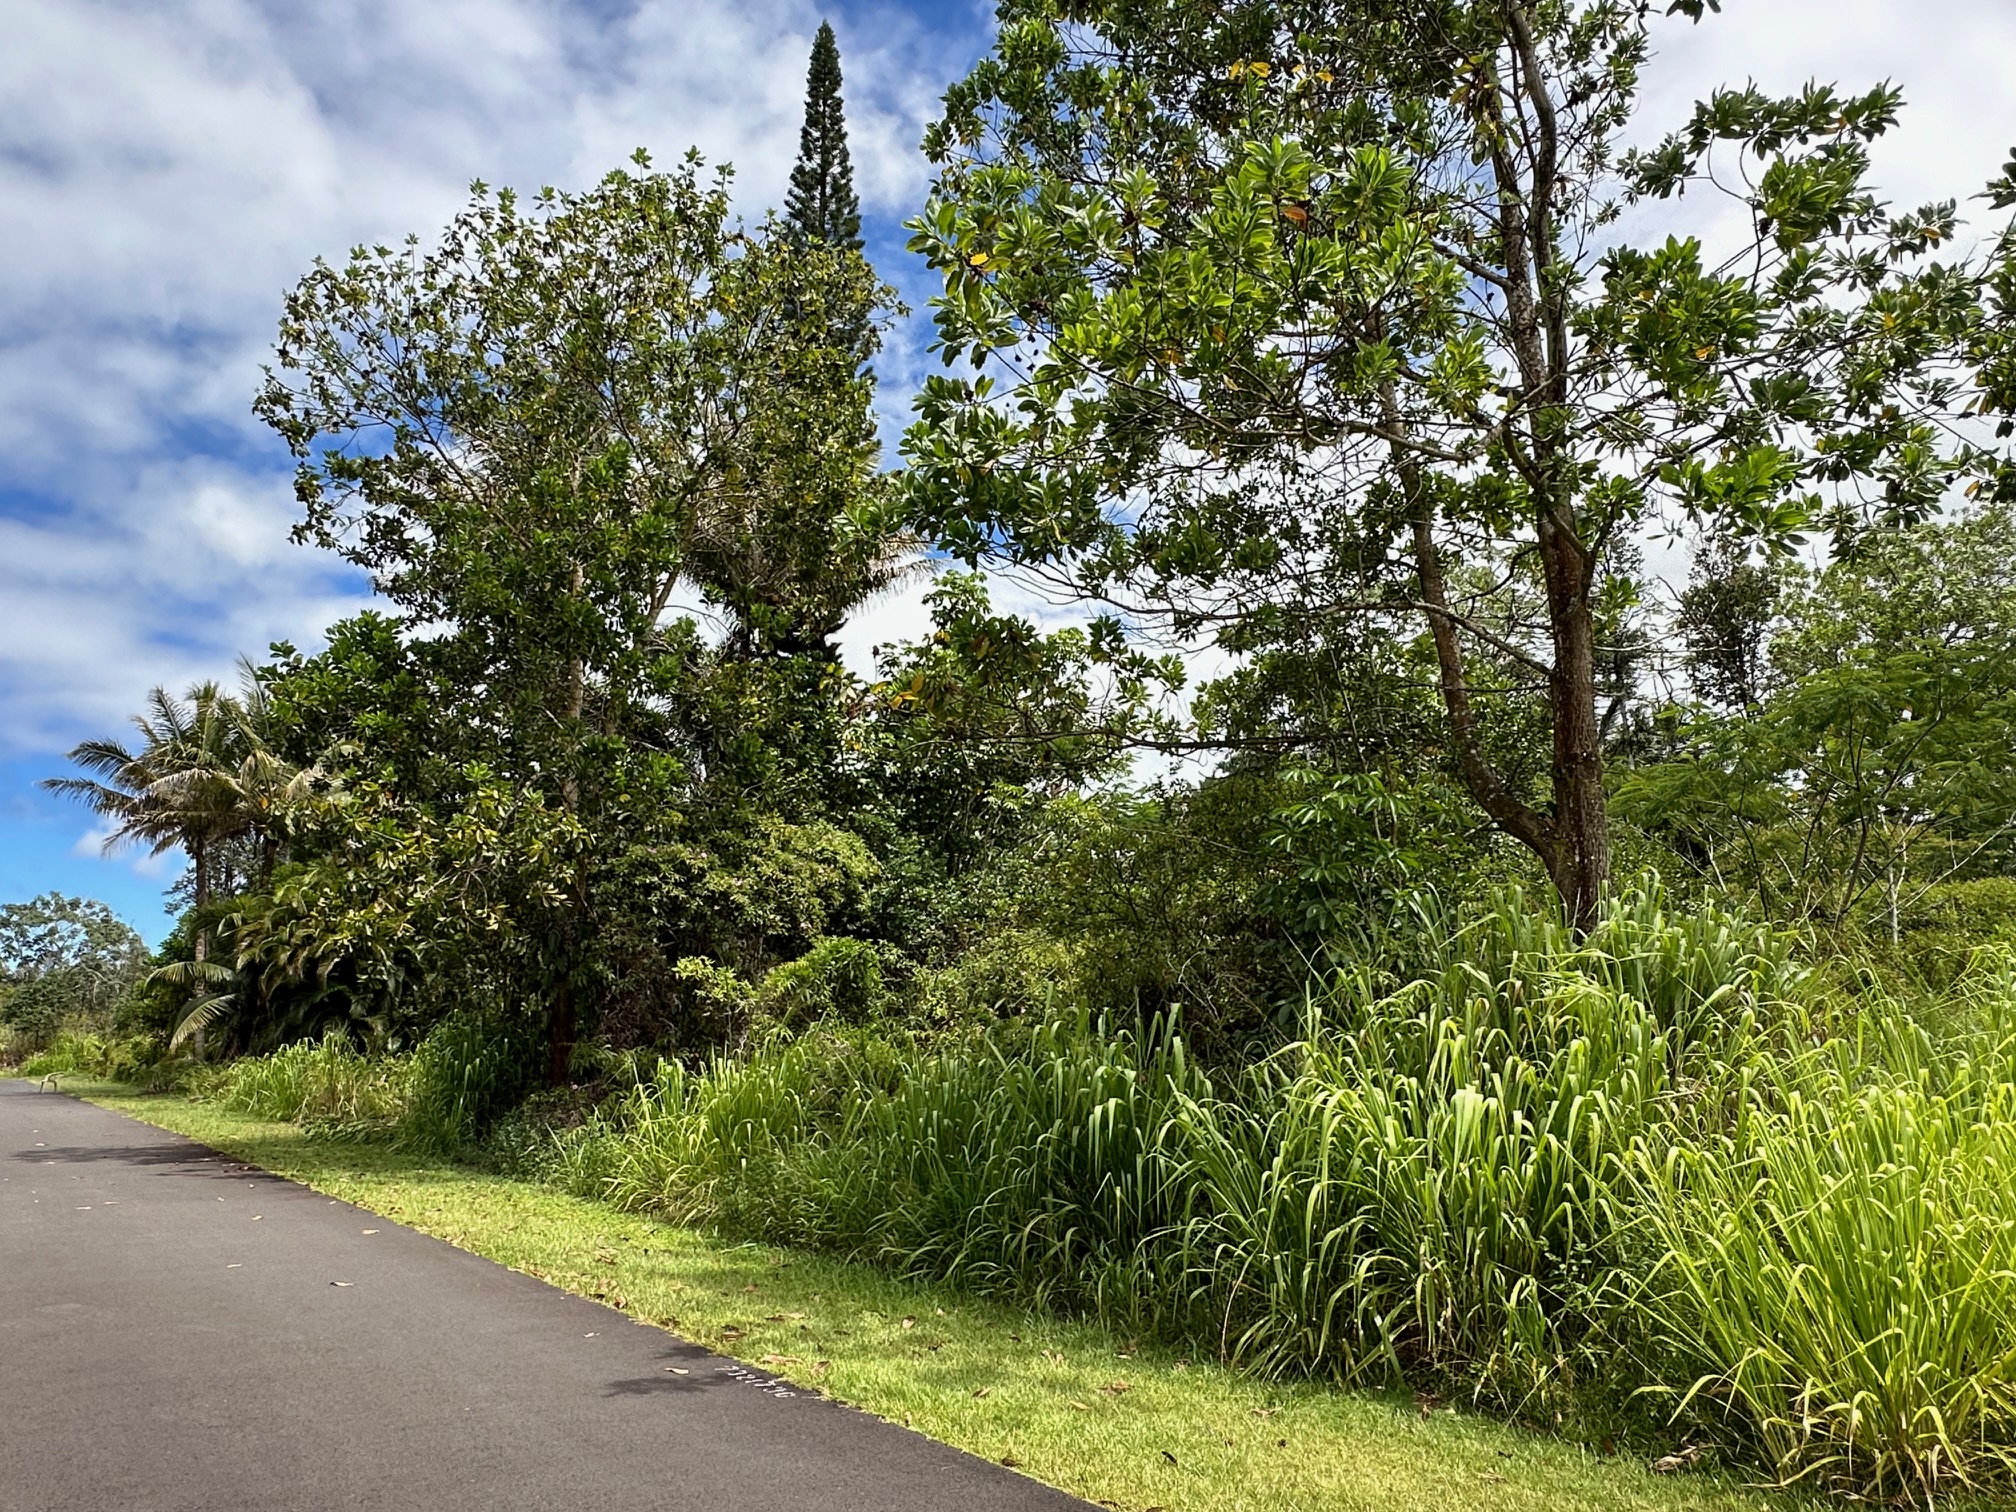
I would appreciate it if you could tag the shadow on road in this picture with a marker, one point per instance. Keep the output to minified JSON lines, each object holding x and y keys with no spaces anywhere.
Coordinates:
{"x":194,"y":1162}
{"x":659,"y":1385}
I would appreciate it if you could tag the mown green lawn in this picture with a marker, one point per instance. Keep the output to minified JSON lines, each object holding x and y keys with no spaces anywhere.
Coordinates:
{"x":1067,"y":1403}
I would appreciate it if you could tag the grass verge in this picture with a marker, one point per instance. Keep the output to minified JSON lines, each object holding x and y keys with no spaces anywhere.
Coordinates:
{"x":1067,"y":1403}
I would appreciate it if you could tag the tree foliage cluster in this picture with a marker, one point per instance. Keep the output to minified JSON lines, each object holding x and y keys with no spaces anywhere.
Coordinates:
{"x":1849,"y":759}
{"x":1311,"y":333}
{"x":1317,"y":319}
{"x":64,"y":961}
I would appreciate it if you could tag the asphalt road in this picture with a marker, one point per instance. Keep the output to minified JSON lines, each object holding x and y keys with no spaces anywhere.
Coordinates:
{"x":179,"y":1331}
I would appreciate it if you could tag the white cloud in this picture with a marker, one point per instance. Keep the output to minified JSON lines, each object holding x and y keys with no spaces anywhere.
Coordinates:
{"x":149,"y":572}
{"x":176,"y":166}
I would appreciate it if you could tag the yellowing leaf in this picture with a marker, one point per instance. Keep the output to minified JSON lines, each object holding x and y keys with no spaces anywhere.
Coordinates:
{"x":978,"y":260}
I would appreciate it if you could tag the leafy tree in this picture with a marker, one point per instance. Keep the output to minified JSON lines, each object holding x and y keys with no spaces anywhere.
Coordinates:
{"x":63,"y":958}
{"x":401,"y":915}
{"x":535,"y":433}
{"x":1724,"y":621}
{"x":1876,"y":757}
{"x":1318,"y":309}
{"x":988,"y":716}
{"x":372,"y":702}
{"x":535,"y":436}
{"x":821,"y":205}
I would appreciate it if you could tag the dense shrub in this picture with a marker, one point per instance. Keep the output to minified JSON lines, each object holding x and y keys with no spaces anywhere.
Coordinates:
{"x":325,"y":1082}
{"x":1936,"y":937}
{"x":468,"y":1070}
{"x":839,"y":979}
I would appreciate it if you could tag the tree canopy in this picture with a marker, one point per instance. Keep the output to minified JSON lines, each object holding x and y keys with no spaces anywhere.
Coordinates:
{"x":65,"y":958}
{"x":1320,"y":315}
{"x":1315,"y":337}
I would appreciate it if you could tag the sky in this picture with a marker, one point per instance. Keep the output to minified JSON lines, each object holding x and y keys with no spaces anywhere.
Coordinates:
{"x":169,"y":168}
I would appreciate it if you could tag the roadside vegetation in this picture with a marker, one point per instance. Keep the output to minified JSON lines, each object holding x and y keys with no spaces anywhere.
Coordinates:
{"x":1536,"y":992}
{"x":1100,"y":1412}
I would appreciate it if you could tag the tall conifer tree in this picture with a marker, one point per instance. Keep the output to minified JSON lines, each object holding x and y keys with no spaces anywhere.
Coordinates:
{"x":821,"y":205}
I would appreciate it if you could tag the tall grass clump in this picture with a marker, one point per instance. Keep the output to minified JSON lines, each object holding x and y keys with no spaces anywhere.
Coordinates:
{"x":1417,"y":1189}
{"x":440,"y":1097}
{"x":106,"y":1057}
{"x":328,"y":1083}
{"x":1029,"y":1163}
{"x":1833,"y":1279}
{"x":470,"y":1068}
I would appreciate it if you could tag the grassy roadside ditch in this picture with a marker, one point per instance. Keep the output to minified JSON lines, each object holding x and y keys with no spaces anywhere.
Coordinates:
{"x":1068,"y":1403}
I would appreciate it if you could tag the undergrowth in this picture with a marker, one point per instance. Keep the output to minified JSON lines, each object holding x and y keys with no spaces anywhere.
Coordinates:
{"x":1659,"y":1175}
{"x":441,"y":1097}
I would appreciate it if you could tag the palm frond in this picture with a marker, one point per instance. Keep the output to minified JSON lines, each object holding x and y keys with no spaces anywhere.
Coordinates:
{"x":200,"y":1015}
{"x":191,"y":974}
{"x":105,"y":756}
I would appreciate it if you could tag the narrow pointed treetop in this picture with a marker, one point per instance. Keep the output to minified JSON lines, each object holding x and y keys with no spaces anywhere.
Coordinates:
{"x":821,"y":205}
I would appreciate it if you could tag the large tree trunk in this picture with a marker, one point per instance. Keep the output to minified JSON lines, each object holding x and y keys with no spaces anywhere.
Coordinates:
{"x":560,"y":1036}
{"x":1580,"y":864}
{"x":561,"y":1021}
{"x":1572,"y":842}
{"x":1520,"y":136}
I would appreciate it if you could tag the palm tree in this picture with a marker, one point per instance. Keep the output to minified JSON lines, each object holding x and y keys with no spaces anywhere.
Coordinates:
{"x":131,"y":787}
{"x":202,"y":775}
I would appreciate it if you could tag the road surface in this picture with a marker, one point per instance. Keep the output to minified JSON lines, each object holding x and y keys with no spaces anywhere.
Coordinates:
{"x":182,"y":1333}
